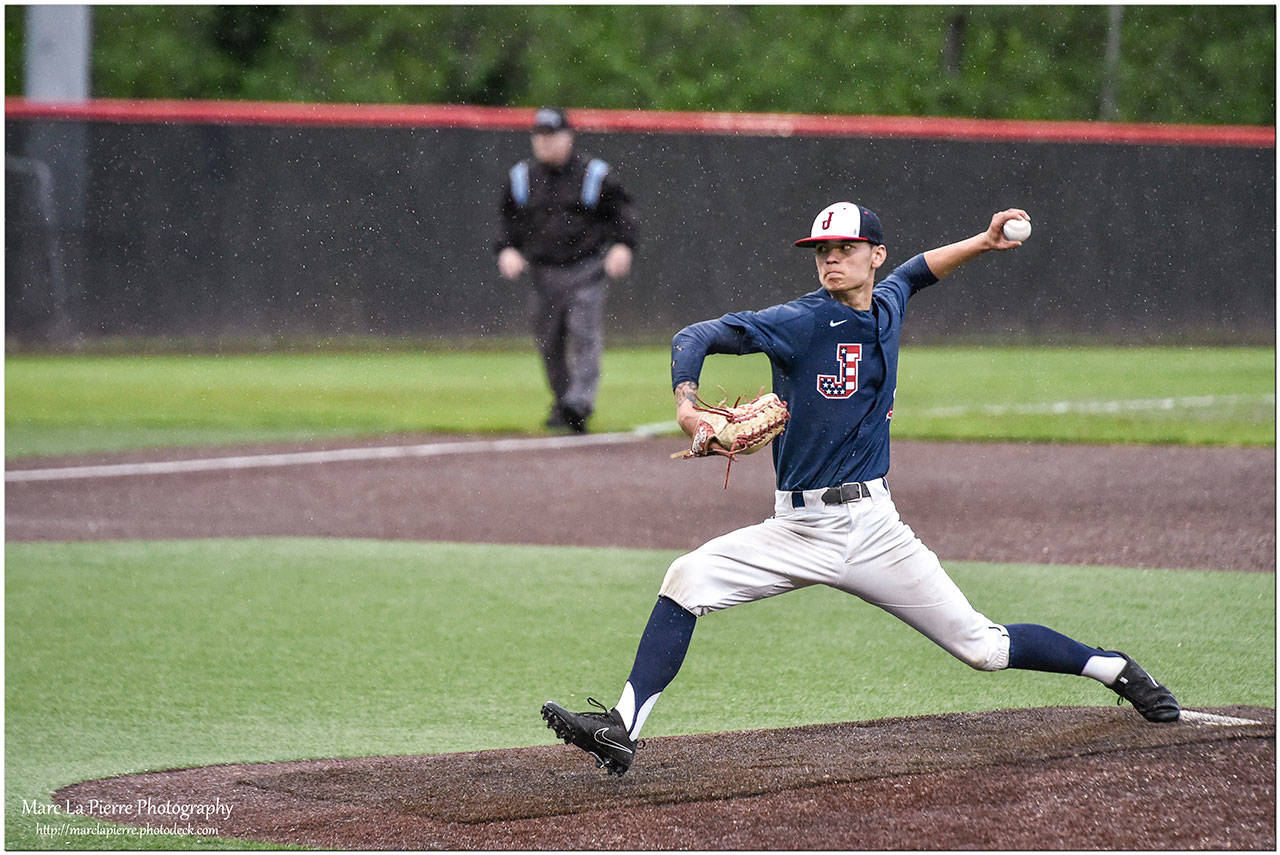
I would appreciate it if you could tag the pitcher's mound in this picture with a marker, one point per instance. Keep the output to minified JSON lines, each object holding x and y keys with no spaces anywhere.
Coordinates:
{"x":1052,"y":778}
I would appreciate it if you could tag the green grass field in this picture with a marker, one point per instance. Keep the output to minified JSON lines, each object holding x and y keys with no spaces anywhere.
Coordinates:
{"x":68,"y":404}
{"x":129,"y":656}
{"x":210,"y":651}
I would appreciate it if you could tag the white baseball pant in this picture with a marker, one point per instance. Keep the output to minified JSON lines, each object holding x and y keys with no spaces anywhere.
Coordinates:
{"x":861,"y":547}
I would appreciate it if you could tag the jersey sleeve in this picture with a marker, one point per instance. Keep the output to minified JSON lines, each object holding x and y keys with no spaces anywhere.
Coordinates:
{"x":771,"y":332}
{"x":906,"y":279}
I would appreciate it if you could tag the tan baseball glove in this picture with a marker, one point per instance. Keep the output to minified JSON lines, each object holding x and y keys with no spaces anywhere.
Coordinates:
{"x":741,"y":429}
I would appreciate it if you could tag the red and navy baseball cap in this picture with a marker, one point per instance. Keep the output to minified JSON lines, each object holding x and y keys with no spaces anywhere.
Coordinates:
{"x":548,"y":120}
{"x":844,"y":221}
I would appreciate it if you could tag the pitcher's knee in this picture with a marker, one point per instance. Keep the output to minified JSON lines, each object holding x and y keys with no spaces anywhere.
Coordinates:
{"x":985,"y":650}
{"x":679,"y":571}
{"x":682,"y":582}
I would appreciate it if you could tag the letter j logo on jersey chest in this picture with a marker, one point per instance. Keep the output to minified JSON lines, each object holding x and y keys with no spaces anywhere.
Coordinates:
{"x":844,"y":382}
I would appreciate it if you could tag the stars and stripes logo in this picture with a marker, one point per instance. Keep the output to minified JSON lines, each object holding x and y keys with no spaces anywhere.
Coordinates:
{"x":844,"y":382}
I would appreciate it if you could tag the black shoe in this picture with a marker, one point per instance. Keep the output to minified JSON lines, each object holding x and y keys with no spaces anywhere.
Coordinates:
{"x":602,"y":734}
{"x":574,"y":420}
{"x":1154,"y":701}
{"x":555,"y":418}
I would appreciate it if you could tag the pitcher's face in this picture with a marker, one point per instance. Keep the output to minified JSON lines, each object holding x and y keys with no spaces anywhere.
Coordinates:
{"x":848,"y":265}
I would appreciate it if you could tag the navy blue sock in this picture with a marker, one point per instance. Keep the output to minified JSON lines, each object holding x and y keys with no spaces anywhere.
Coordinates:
{"x":1037,"y":648}
{"x":662,"y":648}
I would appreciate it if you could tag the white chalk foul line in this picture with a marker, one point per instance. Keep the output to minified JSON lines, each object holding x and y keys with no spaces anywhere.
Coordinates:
{"x":1190,"y":402}
{"x":306,"y":458}
{"x":497,"y":446}
{"x":1193,"y":717}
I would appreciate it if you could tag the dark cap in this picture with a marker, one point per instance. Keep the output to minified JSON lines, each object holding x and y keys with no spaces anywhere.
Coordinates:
{"x":844,"y":221}
{"x":548,"y":120}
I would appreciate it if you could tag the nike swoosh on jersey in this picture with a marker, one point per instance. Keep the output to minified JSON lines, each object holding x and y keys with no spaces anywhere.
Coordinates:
{"x":838,"y":323}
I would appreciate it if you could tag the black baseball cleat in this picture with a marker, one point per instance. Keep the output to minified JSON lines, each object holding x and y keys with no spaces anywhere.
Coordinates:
{"x":574,"y":419}
{"x":1154,"y":701}
{"x":602,"y":734}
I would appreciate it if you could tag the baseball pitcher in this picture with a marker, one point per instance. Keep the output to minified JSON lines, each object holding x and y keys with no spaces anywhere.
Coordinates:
{"x":834,"y":356}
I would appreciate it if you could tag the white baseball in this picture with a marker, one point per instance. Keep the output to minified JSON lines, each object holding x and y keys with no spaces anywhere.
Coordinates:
{"x":1017,"y":229}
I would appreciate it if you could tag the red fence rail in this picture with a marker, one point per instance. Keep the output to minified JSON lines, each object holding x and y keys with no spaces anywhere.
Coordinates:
{"x":743,"y":124}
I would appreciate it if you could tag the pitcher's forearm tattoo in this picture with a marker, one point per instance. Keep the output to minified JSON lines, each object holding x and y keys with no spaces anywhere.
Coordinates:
{"x":687,"y":391}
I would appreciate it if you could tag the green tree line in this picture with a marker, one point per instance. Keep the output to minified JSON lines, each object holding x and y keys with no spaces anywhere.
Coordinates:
{"x":1196,"y":64}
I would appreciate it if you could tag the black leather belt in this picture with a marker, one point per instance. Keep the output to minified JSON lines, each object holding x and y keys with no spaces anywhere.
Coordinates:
{"x":850,"y":491}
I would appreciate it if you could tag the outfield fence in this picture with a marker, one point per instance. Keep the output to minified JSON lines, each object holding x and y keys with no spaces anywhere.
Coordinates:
{"x":263,"y":221}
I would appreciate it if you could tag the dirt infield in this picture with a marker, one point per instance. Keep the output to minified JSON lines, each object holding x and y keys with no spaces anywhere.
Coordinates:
{"x":1131,"y":506}
{"x":1078,"y":778}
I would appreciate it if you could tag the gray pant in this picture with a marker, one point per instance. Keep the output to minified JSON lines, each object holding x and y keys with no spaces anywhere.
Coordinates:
{"x":568,"y":328}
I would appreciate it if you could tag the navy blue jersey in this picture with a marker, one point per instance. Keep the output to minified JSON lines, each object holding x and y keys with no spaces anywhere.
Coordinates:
{"x":836,"y":367}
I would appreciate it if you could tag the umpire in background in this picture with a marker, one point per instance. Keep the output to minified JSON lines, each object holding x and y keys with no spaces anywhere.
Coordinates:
{"x":568,"y":222}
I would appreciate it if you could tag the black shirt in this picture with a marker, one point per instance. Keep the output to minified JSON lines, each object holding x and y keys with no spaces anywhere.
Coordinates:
{"x":556,"y":225}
